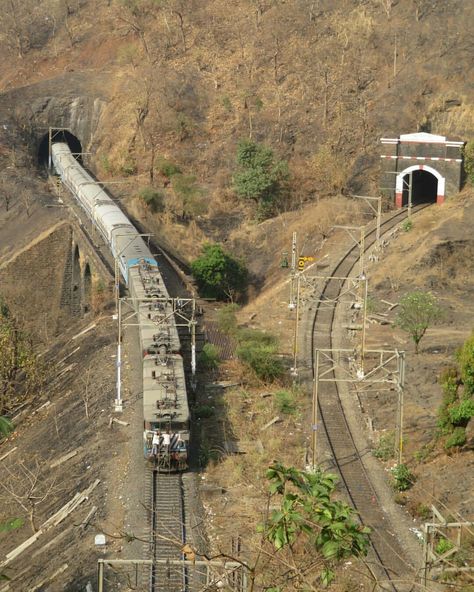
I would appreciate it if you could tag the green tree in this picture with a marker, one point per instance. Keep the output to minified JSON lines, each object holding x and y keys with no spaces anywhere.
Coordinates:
{"x":261,"y":177}
{"x":306,"y":513}
{"x":417,"y":311}
{"x":218,"y":274}
{"x":152,"y":198}
{"x":469,"y":160}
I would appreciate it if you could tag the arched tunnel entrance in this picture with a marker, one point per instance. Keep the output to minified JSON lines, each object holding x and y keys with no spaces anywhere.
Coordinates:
{"x":58,"y":135}
{"x":427,"y":184}
{"x":424,"y":188}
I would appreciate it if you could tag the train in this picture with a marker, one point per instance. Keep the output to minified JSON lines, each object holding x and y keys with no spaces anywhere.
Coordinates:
{"x":166,"y":418}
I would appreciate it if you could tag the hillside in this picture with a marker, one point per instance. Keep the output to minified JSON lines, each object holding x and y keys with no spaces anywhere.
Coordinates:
{"x":160,"y":93}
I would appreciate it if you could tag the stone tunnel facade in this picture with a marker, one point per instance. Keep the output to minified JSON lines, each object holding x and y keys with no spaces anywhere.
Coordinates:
{"x":427,"y":166}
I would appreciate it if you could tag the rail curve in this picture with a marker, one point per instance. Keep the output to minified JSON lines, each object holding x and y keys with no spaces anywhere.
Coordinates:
{"x":388,"y":556}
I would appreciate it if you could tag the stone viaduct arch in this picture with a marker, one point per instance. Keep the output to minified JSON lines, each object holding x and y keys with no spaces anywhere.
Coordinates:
{"x":83,"y":270}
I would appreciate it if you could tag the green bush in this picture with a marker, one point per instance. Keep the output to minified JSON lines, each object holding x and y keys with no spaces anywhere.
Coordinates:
{"x":402,"y":477}
{"x":227,"y":320}
{"x":209,"y":357}
{"x":261,"y":359}
{"x":385,"y":449}
{"x":218,"y":274}
{"x":462,"y":413}
{"x":285,"y":402}
{"x":152,"y":198}
{"x":457,"y":438}
{"x":407,"y":225}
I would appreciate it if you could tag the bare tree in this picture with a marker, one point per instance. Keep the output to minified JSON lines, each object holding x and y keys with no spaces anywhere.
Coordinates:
{"x":26,"y":486}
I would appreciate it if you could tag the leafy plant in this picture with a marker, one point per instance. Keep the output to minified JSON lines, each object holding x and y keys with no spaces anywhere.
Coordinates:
{"x":443,"y":545}
{"x":462,"y":413}
{"x":457,"y":438}
{"x":385,"y":449}
{"x":417,"y":311}
{"x":209,"y":357}
{"x":11,"y":524}
{"x":407,"y":225}
{"x":261,"y":178}
{"x":402,"y":477}
{"x":307,"y":511}
{"x":6,"y":426}
{"x":218,"y":274}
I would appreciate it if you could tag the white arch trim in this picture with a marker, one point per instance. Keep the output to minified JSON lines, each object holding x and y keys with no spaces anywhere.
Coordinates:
{"x":419,"y":167}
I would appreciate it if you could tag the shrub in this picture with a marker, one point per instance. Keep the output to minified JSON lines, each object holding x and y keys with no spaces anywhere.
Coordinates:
{"x":462,"y":413}
{"x":167,"y":168}
{"x":285,"y":401}
{"x":457,"y":438}
{"x":129,"y":167}
{"x":407,"y":225}
{"x":227,"y":320}
{"x":152,"y":198}
{"x":469,"y":160}
{"x":260,"y":355}
{"x":385,"y":449}
{"x":204,"y":411}
{"x":190,"y":195}
{"x":465,"y":358}
{"x":218,"y":274}
{"x":402,"y":477}
{"x":209,"y":357}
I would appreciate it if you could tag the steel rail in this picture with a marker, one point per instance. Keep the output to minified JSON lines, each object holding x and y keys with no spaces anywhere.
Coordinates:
{"x":347,"y":459}
{"x":167,"y":533}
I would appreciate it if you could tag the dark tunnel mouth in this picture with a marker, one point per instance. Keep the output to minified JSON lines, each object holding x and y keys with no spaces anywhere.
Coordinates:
{"x":424,"y":187}
{"x":58,"y":135}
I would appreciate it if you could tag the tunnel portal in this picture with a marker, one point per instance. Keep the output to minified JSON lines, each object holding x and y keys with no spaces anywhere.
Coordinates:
{"x":424,"y":188}
{"x":58,"y":135}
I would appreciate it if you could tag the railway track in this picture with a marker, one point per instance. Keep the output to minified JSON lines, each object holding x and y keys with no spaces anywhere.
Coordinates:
{"x":387,"y":555}
{"x":167,"y":533}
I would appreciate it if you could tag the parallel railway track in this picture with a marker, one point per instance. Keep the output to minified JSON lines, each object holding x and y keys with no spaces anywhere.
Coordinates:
{"x":387,"y":554}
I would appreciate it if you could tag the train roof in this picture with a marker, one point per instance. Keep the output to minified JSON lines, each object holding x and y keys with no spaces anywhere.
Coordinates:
{"x":164,"y":392}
